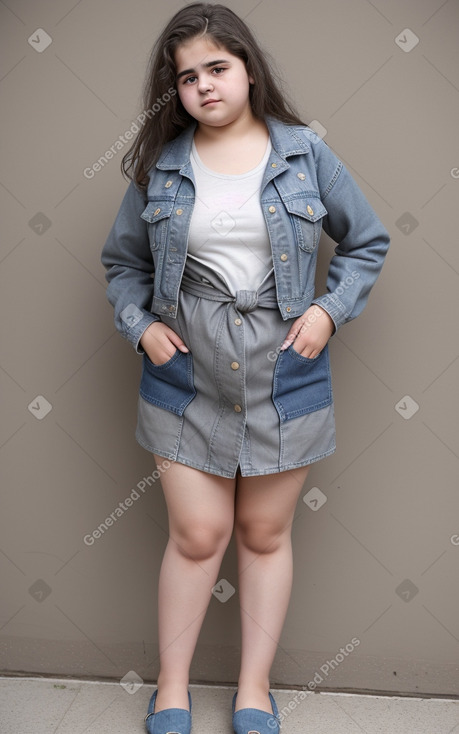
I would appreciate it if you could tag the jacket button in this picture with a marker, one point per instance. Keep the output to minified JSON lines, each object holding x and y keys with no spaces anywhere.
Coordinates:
{"x":179,"y":211}
{"x":168,"y":184}
{"x":309,"y":210}
{"x":273,"y":165}
{"x":301,"y":176}
{"x":284,"y":257}
{"x":288,"y":309}
{"x":234,"y":365}
{"x":171,"y":308}
{"x":272,"y":209}
{"x":238,"y":322}
{"x":237,"y":408}
{"x":157,"y":211}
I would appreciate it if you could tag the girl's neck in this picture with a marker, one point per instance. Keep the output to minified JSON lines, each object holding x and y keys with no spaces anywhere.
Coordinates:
{"x":232,"y":149}
{"x":246,"y":126}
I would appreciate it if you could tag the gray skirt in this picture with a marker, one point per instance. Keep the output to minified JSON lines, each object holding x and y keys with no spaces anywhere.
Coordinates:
{"x":235,"y":402}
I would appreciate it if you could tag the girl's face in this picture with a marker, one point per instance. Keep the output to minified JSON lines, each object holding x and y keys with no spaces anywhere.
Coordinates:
{"x":213,"y":85}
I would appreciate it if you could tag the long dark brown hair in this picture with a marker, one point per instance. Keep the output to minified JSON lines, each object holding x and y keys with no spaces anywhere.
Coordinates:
{"x":165,"y":116}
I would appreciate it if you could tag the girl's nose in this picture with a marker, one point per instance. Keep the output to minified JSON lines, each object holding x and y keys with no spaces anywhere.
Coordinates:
{"x":205,"y":86}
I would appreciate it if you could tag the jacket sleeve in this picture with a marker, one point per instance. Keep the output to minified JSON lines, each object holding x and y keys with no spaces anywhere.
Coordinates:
{"x":129,"y":267}
{"x":362,"y":240}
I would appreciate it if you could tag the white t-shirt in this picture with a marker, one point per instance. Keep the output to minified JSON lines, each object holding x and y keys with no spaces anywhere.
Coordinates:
{"x":227,"y":230}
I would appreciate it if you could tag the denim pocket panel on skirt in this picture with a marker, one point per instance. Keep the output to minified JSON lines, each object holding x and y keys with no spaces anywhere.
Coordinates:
{"x":169,"y":385}
{"x":301,"y":385}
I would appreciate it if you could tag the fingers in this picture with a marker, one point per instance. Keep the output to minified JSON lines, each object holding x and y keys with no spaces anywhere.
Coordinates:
{"x":160,"y":342}
{"x":176,"y":340}
{"x":293,"y":332}
{"x":310,"y":332}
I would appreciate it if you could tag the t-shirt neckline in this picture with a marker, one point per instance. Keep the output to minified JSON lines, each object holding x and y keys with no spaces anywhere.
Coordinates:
{"x":217,"y":174}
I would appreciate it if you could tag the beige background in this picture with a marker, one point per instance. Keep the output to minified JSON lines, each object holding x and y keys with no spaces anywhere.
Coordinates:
{"x":378,"y":560}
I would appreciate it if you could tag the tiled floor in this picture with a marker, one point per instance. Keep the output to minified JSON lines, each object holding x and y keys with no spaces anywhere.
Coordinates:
{"x":63,"y":706}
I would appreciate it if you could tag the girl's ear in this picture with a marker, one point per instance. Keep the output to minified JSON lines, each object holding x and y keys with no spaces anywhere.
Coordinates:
{"x":249,"y":75}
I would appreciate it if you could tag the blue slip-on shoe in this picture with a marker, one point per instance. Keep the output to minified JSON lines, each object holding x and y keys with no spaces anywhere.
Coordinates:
{"x":168,"y":721}
{"x":256,"y":721}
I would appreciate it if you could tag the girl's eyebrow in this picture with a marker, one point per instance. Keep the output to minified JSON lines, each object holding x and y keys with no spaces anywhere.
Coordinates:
{"x":206,"y":66}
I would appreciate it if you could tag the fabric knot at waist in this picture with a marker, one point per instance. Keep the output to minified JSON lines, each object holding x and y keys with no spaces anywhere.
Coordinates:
{"x":244,"y":301}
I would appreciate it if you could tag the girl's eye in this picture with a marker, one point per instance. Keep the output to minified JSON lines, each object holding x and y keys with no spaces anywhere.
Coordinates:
{"x":192,"y":79}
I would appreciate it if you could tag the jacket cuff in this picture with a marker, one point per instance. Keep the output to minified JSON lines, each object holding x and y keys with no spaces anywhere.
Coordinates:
{"x":133,"y":328}
{"x":137,"y":346}
{"x":333,"y":306}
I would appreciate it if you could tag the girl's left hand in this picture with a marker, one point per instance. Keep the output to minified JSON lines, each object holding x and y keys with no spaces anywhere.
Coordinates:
{"x":310,"y":332}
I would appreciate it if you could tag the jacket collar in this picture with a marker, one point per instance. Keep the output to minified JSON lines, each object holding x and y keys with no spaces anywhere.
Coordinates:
{"x":286,"y":140}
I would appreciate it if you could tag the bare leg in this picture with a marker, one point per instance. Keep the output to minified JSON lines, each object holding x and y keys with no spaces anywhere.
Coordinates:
{"x":201,"y":516}
{"x":265,"y":507}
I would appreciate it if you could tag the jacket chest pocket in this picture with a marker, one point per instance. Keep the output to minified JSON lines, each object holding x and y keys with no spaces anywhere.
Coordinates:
{"x":157,"y":214}
{"x":306,"y":214}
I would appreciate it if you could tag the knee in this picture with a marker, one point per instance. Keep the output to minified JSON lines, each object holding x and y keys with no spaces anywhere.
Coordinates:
{"x":261,"y":537}
{"x":201,"y":541}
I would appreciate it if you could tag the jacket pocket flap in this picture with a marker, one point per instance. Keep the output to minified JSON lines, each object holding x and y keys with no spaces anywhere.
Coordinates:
{"x":157,"y":210}
{"x":307,"y":207}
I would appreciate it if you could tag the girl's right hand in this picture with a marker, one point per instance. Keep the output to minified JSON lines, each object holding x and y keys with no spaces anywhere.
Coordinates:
{"x":160,"y":342}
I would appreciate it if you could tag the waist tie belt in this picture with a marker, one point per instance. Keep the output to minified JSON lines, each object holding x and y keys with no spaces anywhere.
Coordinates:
{"x":244,"y":301}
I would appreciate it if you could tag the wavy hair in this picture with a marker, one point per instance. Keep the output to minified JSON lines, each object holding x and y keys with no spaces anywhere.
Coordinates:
{"x":222,"y":26}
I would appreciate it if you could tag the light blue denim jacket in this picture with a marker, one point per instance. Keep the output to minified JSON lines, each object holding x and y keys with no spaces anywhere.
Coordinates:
{"x":305,"y":188}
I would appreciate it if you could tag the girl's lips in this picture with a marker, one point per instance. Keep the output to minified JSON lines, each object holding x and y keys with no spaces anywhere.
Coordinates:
{"x":210,"y":101}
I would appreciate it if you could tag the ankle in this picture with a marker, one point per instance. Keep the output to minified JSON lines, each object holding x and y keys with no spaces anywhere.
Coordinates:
{"x":253,"y":694}
{"x":173,"y":679}
{"x":251,"y":683}
{"x":172,"y":693}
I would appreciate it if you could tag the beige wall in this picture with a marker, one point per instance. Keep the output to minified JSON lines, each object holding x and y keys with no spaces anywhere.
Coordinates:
{"x":390,"y":523}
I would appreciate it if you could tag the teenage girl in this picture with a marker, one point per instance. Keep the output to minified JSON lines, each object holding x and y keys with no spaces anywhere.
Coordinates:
{"x":210,"y":265}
